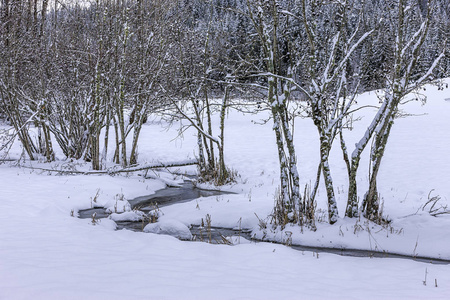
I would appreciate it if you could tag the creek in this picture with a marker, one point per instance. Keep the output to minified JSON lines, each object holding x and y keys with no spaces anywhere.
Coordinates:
{"x":187,"y":191}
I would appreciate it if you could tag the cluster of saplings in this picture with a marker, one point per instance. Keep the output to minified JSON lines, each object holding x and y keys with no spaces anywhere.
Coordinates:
{"x":85,"y":72}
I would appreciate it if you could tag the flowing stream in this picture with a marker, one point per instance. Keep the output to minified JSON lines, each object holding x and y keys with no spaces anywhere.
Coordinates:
{"x":187,"y":192}
{"x":164,"y":197}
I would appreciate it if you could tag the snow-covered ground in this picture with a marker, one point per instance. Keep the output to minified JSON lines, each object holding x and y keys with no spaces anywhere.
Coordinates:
{"x":46,"y":252}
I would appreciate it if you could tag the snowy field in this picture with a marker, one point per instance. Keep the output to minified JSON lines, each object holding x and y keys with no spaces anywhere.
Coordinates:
{"x":46,"y":252}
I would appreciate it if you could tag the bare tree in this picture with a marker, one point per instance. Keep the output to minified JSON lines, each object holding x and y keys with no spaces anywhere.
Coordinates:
{"x":403,"y":79}
{"x":202,"y":78}
{"x":269,"y":24}
{"x":329,"y":86}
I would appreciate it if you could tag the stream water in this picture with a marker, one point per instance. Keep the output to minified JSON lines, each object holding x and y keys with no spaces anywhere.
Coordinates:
{"x":167,"y":196}
{"x":219,"y":235}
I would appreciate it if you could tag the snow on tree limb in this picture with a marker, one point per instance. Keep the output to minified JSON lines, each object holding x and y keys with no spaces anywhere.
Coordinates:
{"x":430,"y":70}
{"x":214,"y":139}
{"x":113,"y":171}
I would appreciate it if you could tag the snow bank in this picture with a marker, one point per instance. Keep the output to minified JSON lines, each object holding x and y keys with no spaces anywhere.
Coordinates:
{"x":170,"y":227}
{"x":133,"y":216}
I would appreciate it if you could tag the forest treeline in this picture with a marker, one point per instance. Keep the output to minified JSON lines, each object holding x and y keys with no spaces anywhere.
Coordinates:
{"x":82,"y":73}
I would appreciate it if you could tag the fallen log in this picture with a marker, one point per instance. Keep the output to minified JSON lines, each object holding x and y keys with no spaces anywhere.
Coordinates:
{"x":113,"y":171}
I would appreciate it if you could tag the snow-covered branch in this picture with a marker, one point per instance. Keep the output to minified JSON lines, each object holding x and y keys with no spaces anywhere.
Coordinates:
{"x":114,"y":171}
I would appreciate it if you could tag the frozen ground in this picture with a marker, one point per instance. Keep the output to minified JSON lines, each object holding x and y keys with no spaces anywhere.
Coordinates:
{"x":46,"y":253}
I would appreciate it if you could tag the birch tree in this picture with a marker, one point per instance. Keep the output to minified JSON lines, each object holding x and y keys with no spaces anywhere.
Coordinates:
{"x":402,"y":80}
{"x":267,"y":22}
{"x":327,"y":84}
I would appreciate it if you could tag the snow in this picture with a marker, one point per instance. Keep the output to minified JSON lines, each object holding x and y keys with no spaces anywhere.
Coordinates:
{"x":46,"y":252}
{"x":170,"y":227}
{"x":127,"y":216}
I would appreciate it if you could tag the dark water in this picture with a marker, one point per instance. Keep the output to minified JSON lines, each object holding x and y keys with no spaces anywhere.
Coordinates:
{"x":167,"y":196}
{"x":99,"y":212}
{"x":170,"y":195}
{"x":369,"y":253}
{"x":217,"y":235}
{"x":164,"y":197}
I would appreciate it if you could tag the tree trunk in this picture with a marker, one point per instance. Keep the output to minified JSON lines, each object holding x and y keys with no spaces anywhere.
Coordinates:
{"x":223,"y":175}
{"x":371,"y":202}
{"x":292,"y":164}
{"x":333,"y":213}
{"x":137,"y":131}
{"x":352,"y":210}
